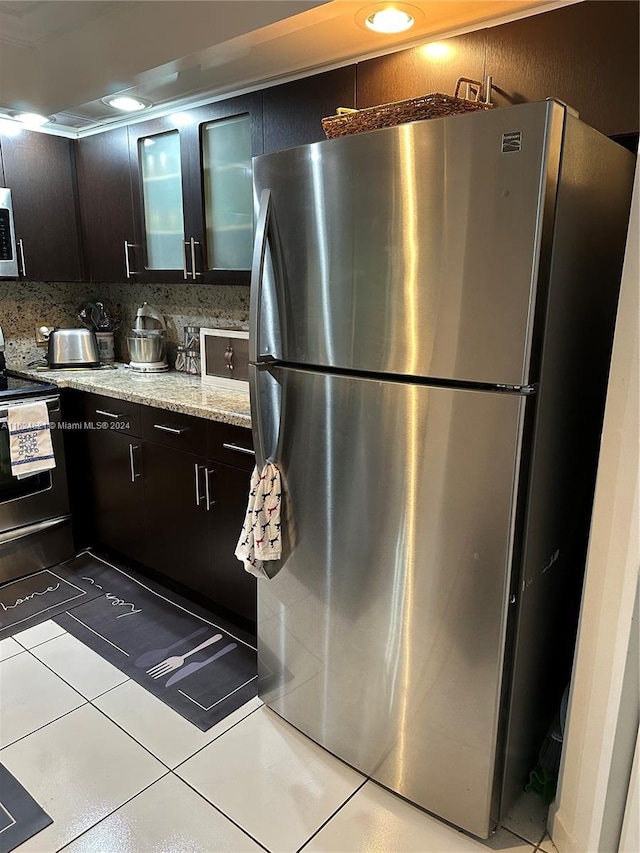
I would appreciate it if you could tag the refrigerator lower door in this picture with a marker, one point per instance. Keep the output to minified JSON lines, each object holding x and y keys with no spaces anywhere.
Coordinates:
{"x":382,"y":635}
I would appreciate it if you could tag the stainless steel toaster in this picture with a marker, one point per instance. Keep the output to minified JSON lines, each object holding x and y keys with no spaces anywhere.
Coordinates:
{"x":73,"y":348}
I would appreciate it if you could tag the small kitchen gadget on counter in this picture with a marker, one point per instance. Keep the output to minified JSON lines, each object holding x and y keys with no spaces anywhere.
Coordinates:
{"x":72,"y":348}
{"x":224,"y":356}
{"x":148,"y":342}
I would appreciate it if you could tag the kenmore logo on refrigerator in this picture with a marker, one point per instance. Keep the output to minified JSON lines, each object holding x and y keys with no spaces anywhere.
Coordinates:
{"x":511,"y":141}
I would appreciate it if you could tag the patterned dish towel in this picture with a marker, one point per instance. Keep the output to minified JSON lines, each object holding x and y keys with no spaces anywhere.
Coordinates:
{"x":30,"y":445}
{"x":261,"y":538}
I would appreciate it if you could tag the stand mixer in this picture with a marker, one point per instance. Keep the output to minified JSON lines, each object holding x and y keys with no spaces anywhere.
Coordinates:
{"x":148,"y":343}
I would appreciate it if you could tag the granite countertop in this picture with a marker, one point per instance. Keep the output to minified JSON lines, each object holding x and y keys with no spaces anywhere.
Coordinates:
{"x":176,"y":392}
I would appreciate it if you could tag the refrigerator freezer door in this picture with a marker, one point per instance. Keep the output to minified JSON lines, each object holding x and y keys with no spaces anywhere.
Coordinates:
{"x":414,"y":250}
{"x":382,"y":635}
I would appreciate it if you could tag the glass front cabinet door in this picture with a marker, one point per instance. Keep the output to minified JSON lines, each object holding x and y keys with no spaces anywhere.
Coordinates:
{"x":228,"y":198}
{"x":162,"y":208}
{"x":193,"y":200}
{"x":229,"y":135}
{"x":161,"y":185}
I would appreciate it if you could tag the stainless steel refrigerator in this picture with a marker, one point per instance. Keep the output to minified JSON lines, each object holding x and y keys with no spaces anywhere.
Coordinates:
{"x":432,"y":311}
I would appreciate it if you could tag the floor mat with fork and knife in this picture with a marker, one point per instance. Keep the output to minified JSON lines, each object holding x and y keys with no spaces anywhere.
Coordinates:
{"x":201,"y":669}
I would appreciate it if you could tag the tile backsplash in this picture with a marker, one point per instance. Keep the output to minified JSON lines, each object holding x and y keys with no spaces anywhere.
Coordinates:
{"x":24,"y":305}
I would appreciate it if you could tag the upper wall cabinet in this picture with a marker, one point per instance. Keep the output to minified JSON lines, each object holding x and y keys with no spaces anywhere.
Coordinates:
{"x":418,"y":71}
{"x":159,"y":164}
{"x":39,"y":169}
{"x":585,"y":54}
{"x":106,"y":211}
{"x":192,"y":193}
{"x":293,"y":112}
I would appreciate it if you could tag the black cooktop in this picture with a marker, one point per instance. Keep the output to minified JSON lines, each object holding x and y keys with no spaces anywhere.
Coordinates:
{"x":19,"y":388}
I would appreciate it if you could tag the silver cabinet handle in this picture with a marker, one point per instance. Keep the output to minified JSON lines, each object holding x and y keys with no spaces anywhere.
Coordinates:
{"x":132,"y":461}
{"x":207,"y":487}
{"x":106,"y":414}
{"x":185,"y":271}
{"x":196,"y":471}
{"x":172,"y":430}
{"x":22,"y":263}
{"x":194,"y":243}
{"x":127,"y":264}
{"x":239,"y":449}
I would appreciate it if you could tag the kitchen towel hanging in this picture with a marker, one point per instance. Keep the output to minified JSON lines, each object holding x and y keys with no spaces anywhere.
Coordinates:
{"x":30,"y":445}
{"x":261,"y":540}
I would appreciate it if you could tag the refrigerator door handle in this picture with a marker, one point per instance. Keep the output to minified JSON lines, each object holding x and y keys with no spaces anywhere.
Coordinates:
{"x":257,"y":275}
{"x":266,"y":235}
{"x":256,"y":414}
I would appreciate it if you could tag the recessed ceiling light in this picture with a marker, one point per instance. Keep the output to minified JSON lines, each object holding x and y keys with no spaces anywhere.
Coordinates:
{"x":33,"y":119}
{"x":126,"y":103}
{"x":392,"y":19}
{"x":389,"y":17}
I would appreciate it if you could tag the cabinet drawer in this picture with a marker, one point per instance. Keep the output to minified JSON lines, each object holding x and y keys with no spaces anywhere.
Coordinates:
{"x":173,"y":429}
{"x":121,"y":415}
{"x":231,"y":444}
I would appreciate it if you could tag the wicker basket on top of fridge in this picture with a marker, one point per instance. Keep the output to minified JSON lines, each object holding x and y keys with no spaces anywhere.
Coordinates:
{"x":436,"y":105}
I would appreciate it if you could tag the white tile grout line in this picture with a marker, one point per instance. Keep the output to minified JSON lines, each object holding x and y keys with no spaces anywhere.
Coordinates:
{"x":126,"y":802}
{"x":91,"y":702}
{"x":218,"y":809}
{"x":171,"y":772}
{"x":42,"y":642}
{"x":333,"y":814}
{"x":241,"y":720}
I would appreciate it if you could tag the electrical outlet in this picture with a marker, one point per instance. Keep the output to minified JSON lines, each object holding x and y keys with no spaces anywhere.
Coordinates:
{"x":42,"y":335}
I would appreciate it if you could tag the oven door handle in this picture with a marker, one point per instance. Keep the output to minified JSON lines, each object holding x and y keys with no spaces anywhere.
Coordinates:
{"x":4,"y":411}
{"x":30,"y":529}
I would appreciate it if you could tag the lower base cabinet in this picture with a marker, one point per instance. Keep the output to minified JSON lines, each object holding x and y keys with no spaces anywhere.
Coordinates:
{"x":162,"y":496}
{"x":118,"y":492}
{"x":177,"y":528}
{"x":229,"y":489}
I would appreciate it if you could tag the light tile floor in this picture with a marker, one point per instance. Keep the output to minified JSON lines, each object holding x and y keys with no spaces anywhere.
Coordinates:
{"x":120,"y":772}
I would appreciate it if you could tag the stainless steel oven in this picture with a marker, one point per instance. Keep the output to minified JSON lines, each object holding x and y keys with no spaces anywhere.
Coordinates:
{"x":35,"y":521}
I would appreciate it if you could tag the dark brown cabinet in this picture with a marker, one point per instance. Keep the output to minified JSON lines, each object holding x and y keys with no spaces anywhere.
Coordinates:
{"x":175,"y":494}
{"x":585,"y":54}
{"x":106,"y":208}
{"x":178,"y":533}
{"x":223,"y":138}
{"x":293,"y":112}
{"x":192,"y":199}
{"x":415,"y":72}
{"x":113,"y":433}
{"x":164,"y":494}
{"x":162,"y":188}
{"x":231,"y":460}
{"x":39,"y":169}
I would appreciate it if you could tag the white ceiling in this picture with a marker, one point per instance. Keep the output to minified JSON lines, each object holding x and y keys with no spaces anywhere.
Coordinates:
{"x":60,"y":57}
